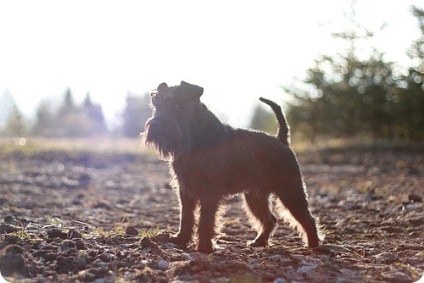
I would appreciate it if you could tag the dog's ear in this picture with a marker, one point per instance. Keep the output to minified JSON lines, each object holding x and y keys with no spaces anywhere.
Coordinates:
{"x":163,"y":87}
{"x":193,"y":91}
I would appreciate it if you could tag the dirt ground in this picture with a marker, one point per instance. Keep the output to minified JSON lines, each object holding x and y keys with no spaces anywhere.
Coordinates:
{"x":79,"y":217}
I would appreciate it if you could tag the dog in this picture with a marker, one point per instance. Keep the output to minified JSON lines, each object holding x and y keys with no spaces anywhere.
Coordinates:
{"x":210,"y":161}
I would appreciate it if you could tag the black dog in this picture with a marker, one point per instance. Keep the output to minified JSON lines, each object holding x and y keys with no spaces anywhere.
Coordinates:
{"x":210,"y":161}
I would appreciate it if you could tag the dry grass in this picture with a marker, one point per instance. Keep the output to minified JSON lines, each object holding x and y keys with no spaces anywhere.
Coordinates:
{"x":120,"y":145}
{"x":355,"y":143}
{"x":90,"y":145}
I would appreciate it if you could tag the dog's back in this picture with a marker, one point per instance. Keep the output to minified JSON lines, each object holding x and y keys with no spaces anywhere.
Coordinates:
{"x":245,"y":160}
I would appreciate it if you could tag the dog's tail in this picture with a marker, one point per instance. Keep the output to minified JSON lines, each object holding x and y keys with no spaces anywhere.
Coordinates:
{"x":283,"y":129}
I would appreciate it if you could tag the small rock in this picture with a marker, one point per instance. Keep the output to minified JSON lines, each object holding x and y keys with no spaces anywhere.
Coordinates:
{"x":79,"y":262}
{"x":56,"y":233}
{"x":407,"y":206}
{"x":395,"y":276}
{"x":147,"y":243}
{"x":14,"y":249}
{"x":79,"y":244}
{"x":106,"y":257}
{"x":163,"y":237}
{"x":11,"y":263}
{"x":276,"y":258}
{"x":66,"y":245}
{"x":131,"y":231}
{"x":386,"y":258}
{"x":415,"y":198}
{"x":128,"y":275}
{"x":103,"y":204}
{"x":73,"y":234}
{"x":4,"y":228}
{"x":186,"y":256}
{"x":163,"y":264}
{"x":99,"y":263}
{"x":306,"y":268}
{"x":279,"y":280}
{"x":50,"y":256}
{"x":8,"y":219}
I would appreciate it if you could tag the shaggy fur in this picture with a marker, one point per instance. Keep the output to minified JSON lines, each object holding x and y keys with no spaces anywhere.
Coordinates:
{"x":210,"y":161}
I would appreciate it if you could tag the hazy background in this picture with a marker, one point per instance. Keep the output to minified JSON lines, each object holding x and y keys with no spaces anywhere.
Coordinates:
{"x":236,"y":50}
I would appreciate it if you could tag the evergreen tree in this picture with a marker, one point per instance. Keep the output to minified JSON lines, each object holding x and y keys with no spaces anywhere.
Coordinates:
{"x":6,"y":104}
{"x":416,"y":52}
{"x":68,"y":103}
{"x":45,"y":119}
{"x":411,"y":95}
{"x":15,"y":125}
{"x":135,"y":115}
{"x":348,"y":94}
{"x":94,"y":114}
{"x":70,"y":120}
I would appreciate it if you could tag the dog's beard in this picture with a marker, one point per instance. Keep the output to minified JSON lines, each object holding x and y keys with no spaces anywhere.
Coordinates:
{"x":167,"y":137}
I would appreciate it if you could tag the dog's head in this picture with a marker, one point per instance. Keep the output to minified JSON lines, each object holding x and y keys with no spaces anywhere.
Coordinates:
{"x":168,"y":130}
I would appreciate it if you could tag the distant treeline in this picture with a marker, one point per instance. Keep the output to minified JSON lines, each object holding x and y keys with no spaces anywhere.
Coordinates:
{"x":70,"y":119}
{"x":349,"y":94}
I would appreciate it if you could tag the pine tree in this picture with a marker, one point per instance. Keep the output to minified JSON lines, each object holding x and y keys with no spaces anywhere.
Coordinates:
{"x":15,"y":125}
{"x":94,"y":115}
{"x":135,"y":115}
{"x":44,"y":125}
{"x":348,"y":94}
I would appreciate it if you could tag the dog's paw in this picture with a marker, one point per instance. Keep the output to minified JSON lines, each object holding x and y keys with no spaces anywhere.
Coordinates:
{"x":206,"y":248}
{"x":178,"y":240}
{"x":258,"y":243}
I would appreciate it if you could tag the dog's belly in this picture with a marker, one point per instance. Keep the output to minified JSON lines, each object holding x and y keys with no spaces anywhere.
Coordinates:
{"x":235,"y":170}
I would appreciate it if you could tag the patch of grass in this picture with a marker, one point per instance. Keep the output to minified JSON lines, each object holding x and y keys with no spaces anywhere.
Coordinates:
{"x":231,"y":221}
{"x":52,"y":220}
{"x":25,"y":237}
{"x":22,"y":235}
{"x":119,"y":230}
{"x":354,"y":143}
{"x":76,"y":145}
{"x":107,"y":234}
{"x":149,"y":233}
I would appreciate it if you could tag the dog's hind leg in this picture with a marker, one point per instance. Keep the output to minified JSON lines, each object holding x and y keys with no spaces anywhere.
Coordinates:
{"x":295,"y":202}
{"x":261,"y":217}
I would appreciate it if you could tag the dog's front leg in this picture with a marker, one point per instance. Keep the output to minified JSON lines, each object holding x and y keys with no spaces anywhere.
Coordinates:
{"x":207,"y":223}
{"x":187,"y":206}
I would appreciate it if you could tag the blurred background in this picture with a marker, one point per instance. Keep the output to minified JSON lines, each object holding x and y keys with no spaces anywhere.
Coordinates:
{"x":341,"y":69}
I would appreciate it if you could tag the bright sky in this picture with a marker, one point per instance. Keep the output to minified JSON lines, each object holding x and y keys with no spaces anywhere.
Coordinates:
{"x":236,"y":50}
